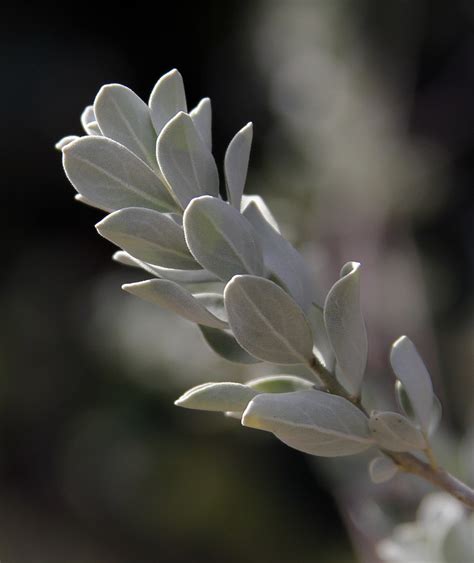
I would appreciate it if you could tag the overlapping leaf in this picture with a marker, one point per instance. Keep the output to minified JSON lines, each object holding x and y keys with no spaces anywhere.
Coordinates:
{"x":150,"y":236}
{"x":167,"y":99}
{"x":220,"y":239}
{"x":175,"y":298}
{"x":311,"y":421}
{"x":346,"y":328}
{"x":382,"y":469}
{"x":202,"y":119}
{"x":267,"y":322}
{"x":236,"y":163}
{"x":395,"y":432}
{"x":217,"y":397}
{"x":123,"y":117}
{"x":226,"y":346}
{"x":107,"y":173}
{"x":411,"y":371}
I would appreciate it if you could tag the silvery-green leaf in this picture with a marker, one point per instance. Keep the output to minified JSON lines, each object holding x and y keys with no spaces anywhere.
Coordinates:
{"x":217,"y":397}
{"x":182,"y":276}
{"x":93,"y":128}
{"x":167,"y":99}
{"x":65,"y":141}
{"x":124,"y":117}
{"x":220,"y":239}
{"x":458,"y":546}
{"x":403,"y":400}
{"x":88,"y":117}
{"x":81,"y":199}
{"x":311,"y":421}
{"x":236,"y":163}
{"x":263,"y":208}
{"x":185,"y":160}
{"x":346,"y":328}
{"x":281,"y":259}
{"x":279,"y":384}
{"x":175,"y":298}
{"x":202,"y":119}
{"x":148,"y":235}
{"x":108,"y":174}
{"x":395,"y":432}
{"x":226,"y":346}
{"x":322,"y":347}
{"x":382,"y":469}
{"x":411,"y":371}
{"x":214,"y":303}
{"x":267,"y":322}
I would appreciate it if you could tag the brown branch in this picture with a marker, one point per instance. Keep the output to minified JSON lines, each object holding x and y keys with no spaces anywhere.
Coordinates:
{"x":438,"y":476}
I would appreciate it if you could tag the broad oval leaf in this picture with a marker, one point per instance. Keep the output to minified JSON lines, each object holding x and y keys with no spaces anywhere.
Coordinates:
{"x":175,"y":298}
{"x":217,"y":397}
{"x":411,"y":371}
{"x":267,"y":322}
{"x":393,"y":431}
{"x":311,"y":421}
{"x":236,"y":162}
{"x":220,"y":239}
{"x":65,"y":141}
{"x":202,"y":119}
{"x":167,"y":99}
{"x":382,"y":469}
{"x":185,"y":160}
{"x":279,"y":384}
{"x":346,"y":328}
{"x":108,"y":174}
{"x":124,"y":117}
{"x":148,"y":235}
{"x":181,"y":276}
{"x":281,"y":259}
{"x":226,"y":346}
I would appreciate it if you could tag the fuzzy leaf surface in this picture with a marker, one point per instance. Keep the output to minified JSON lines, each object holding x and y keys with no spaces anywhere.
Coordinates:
{"x":267,"y":322}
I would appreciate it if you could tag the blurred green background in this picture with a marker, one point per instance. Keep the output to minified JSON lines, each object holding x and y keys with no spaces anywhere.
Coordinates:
{"x":364,"y":147}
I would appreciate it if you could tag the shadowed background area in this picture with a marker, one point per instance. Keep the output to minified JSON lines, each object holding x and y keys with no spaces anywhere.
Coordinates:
{"x":364,"y":147}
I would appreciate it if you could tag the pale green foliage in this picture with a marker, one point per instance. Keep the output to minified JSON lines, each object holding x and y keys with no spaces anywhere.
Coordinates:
{"x":150,"y":167}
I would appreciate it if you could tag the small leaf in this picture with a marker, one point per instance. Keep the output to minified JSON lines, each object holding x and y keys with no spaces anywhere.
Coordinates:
{"x":226,"y":346}
{"x":323,"y":349}
{"x":236,"y":163}
{"x":202,"y":119}
{"x":123,"y":117}
{"x":346,"y":328}
{"x":311,"y":421}
{"x":281,"y":259}
{"x":214,"y":303}
{"x":403,"y":400}
{"x":411,"y":371}
{"x":182,"y":276}
{"x":65,"y":141}
{"x":148,"y":235}
{"x":262,"y":207}
{"x":267,"y":322}
{"x":81,"y":199}
{"x":382,"y":469}
{"x":88,"y":117}
{"x":94,"y":129}
{"x":217,"y":397}
{"x":220,"y":239}
{"x":394,"y":432}
{"x":185,"y":161}
{"x":108,"y":174}
{"x":279,"y":384}
{"x":175,"y":298}
{"x":167,"y":99}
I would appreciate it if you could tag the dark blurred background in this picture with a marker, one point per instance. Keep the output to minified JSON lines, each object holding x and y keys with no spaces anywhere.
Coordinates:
{"x":364,"y":147}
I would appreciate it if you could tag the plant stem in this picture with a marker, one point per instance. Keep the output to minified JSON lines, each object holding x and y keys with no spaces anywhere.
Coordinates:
{"x":406,"y":462}
{"x":438,"y":476}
